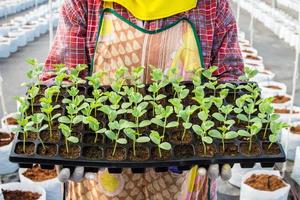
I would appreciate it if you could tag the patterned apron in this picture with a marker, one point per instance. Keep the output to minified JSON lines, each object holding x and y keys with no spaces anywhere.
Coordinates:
{"x":121,"y":43}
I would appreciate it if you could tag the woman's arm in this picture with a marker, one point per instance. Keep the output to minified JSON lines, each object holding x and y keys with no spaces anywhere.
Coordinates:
{"x":69,"y":46}
{"x":226,"y":52}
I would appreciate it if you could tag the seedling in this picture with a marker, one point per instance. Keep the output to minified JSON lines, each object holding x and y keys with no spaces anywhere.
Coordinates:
{"x":34,"y":73}
{"x":32,"y":93}
{"x":202,"y":131}
{"x":114,"y":132}
{"x":158,"y":83}
{"x":276,"y":128}
{"x":158,"y":140}
{"x":176,"y":103}
{"x":61,"y":75}
{"x":251,"y":131}
{"x":161,"y":118}
{"x":204,"y":103}
{"x":75,"y":75}
{"x":118,"y":80}
{"x":249,"y":74}
{"x":22,"y":121}
{"x":239,"y":102}
{"x":47,"y":109}
{"x":185,"y":115}
{"x":67,"y":133}
{"x":223,"y":132}
{"x":267,"y":114}
{"x":235,"y":88}
{"x":137,"y":78}
{"x":94,"y":125}
{"x":73,"y":108}
{"x":136,"y":137}
{"x":35,"y":125}
{"x":249,"y":109}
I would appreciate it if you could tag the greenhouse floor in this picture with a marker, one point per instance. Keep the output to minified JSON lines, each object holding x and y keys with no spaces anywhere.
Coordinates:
{"x":277,"y":55}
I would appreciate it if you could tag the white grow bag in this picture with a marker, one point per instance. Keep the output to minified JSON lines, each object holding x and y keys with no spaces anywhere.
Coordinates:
{"x":270,"y":92}
{"x":53,"y":187}
{"x":6,"y":126}
{"x":6,"y":167}
{"x":24,"y":187}
{"x":249,"y":193}
{"x":293,"y":141}
{"x":296,"y":172}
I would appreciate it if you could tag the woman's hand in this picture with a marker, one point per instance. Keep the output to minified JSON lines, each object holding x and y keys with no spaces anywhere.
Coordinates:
{"x":78,"y":174}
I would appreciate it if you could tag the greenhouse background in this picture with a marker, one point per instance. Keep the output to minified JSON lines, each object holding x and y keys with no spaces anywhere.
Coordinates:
{"x":269,"y":36}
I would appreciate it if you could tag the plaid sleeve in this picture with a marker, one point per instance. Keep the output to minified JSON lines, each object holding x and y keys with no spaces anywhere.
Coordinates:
{"x":69,"y":46}
{"x":226,"y":53}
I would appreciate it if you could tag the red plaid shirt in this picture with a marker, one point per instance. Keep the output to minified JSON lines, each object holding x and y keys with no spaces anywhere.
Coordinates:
{"x":75,"y":39}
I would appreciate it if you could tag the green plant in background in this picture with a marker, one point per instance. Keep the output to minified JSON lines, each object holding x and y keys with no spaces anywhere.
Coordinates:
{"x":203,"y":103}
{"x":161,"y":118}
{"x":22,"y":121}
{"x":73,"y":109}
{"x":67,"y":133}
{"x":276,"y":128}
{"x":136,"y":138}
{"x":119,"y":79}
{"x":239,"y":104}
{"x":35,"y":125}
{"x":251,"y":131}
{"x":185,"y":115}
{"x":235,"y":88}
{"x":34,"y":73}
{"x":158,"y":140}
{"x":94,"y":125}
{"x":202,"y":131}
{"x":267,"y":115}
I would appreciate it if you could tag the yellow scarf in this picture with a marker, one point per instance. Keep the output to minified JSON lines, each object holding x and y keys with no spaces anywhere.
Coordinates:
{"x":155,"y":9}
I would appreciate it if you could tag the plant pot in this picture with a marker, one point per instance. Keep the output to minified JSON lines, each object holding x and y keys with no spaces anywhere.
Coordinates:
{"x":291,"y":137}
{"x":248,"y":51}
{"x":250,"y":193}
{"x":238,"y":172}
{"x":8,"y":122}
{"x":272,"y":88}
{"x":4,"y":48}
{"x":296,"y":173}
{"x":262,"y":76}
{"x":282,"y":101}
{"x":38,"y":191}
{"x":285,"y":114}
{"x":42,"y":178}
{"x":6,"y":167}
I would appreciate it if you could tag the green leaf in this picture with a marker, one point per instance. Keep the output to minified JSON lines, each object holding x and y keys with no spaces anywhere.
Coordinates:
{"x":111,"y":135}
{"x":219,"y":117}
{"x":155,"y":137}
{"x":129,"y":132}
{"x":64,"y":119}
{"x":145,"y":123}
{"x":207,"y":139}
{"x":273,"y":138}
{"x":79,"y":118}
{"x":160,"y":96}
{"x":231,"y":135}
{"x":203,"y":116}
{"x":172,"y":124}
{"x":244,"y":133}
{"x":187,"y":125}
{"x":143,"y":139}
{"x":215,"y":134}
{"x":242,"y":117}
{"x":157,"y":122}
{"x":73,"y":139}
{"x":166,"y":146}
{"x":121,"y":141}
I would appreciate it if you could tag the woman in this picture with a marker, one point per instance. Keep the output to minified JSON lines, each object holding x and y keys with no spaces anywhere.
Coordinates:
{"x":107,"y":34}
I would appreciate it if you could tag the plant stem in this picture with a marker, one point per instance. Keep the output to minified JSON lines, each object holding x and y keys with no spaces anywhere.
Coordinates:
{"x":56,"y":99}
{"x":159,"y":151}
{"x":24,"y":142}
{"x":234,"y":94}
{"x":164,"y":128}
{"x":223,"y":144}
{"x":50,"y":129}
{"x":67,"y":147}
{"x":115,"y":146}
{"x":250,"y":145}
{"x":43,"y":145}
{"x":32,"y":105}
{"x":249,"y":118}
{"x":270,"y":145}
{"x":265,"y":132}
{"x":183,"y":135}
{"x":134,"y":154}
{"x":204,"y":147}
{"x":96,"y":138}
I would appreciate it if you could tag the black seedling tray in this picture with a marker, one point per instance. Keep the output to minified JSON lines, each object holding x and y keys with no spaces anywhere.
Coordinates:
{"x":178,"y":157}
